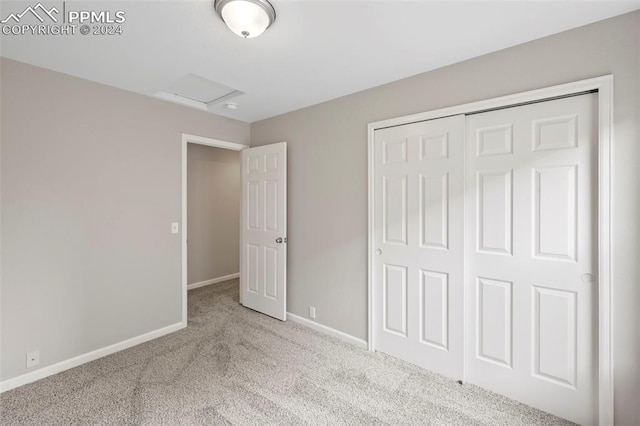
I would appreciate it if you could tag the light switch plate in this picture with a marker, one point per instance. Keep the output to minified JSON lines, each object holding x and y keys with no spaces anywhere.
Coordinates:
{"x":175,"y":227}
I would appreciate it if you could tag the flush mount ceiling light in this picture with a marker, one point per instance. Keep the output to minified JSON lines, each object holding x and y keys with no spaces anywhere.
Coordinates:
{"x":246,"y":18}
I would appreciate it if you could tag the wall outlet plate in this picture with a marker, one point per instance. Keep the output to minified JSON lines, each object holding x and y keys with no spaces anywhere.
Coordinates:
{"x":33,"y":359}
{"x":312,"y":312}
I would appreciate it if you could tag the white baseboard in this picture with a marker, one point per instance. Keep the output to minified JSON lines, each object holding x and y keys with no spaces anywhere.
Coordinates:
{"x":212,"y":281}
{"x":328,"y":330}
{"x":84,"y":358}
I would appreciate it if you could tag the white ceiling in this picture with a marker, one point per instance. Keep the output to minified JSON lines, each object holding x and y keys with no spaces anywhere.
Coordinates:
{"x":315,"y":51}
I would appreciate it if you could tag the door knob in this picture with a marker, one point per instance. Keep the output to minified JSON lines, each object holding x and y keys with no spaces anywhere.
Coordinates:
{"x":378,"y":252}
{"x":279,"y":240}
{"x":587,"y":278}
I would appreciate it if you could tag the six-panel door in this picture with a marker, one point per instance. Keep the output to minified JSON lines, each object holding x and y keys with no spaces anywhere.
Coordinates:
{"x":531,"y":259}
{"x":419,"y":243}
{"x":263,"y":230}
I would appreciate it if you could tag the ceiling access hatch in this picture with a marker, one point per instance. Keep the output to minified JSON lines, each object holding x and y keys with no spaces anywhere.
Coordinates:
{"x":198,"y":92}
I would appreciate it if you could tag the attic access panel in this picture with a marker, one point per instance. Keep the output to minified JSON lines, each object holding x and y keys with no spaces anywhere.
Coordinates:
{"x":198,"y":92}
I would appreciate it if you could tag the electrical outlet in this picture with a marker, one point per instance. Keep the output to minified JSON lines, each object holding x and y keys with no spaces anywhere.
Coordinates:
{"x":33,"y":359}
{"x":312,"y":312}
{"x":175,"y":228}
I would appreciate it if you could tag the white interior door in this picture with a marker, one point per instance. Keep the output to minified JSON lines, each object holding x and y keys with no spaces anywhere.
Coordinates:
{"x":418,"y":267}
{"x":531,"y":255}
{"x":263,"y":230}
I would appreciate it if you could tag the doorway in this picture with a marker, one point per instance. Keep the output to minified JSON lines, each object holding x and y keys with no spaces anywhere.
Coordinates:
{"x":263,"y":225}
{"x":200,"y":142}
{"x":535,"y":199}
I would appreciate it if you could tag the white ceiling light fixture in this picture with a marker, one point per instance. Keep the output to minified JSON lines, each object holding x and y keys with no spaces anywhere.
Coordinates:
{"x":246,"y":18}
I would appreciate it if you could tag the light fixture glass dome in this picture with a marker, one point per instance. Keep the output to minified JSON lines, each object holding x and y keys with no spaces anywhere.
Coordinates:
{"x":246,"y":18}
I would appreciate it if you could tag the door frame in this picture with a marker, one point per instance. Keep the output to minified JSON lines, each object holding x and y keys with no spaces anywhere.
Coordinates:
{"x":603,"y":85}
{"x":199,"y":140}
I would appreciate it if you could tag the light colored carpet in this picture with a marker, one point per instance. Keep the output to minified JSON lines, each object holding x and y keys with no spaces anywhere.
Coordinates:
{"x":235,"y":366}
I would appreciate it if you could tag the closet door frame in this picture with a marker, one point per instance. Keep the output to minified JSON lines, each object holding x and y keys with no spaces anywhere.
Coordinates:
{"x":604,"y":87}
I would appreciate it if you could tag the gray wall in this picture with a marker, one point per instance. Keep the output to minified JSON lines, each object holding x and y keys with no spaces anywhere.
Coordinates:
{"x":91,"y":181}
{"x":327,"y":174}
{"x":213,"y":212}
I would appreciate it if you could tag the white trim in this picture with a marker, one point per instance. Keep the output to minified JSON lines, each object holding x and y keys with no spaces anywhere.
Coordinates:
{"x":327,"y":330}
{"x":200,"y":140}
{"x":604,"y":86}
{"x":212,"y":281}
{"x":371,"y":239}
{"x":605,"y":259}
{"x":84,"y":358}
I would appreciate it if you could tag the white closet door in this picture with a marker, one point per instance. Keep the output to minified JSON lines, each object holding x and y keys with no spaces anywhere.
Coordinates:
{"x":263,"y":230}
{"x":531,"y":255}
{"x":418,"y":280}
